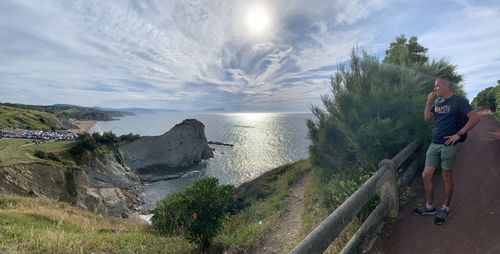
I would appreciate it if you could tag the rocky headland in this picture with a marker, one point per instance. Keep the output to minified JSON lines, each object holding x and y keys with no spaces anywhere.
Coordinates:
{"x":182,"y":146}
{"x":110,"y":183}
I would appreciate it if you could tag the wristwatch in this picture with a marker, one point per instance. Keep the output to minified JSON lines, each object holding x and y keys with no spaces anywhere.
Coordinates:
{"x":459,"y":133}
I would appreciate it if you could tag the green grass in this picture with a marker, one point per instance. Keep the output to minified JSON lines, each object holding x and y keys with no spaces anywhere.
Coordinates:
{"x":14,"y":117}
{"x":15,"y":151}
{"x":314,"y":213}
{"x":37,"y":225}
{"x":267,"y":198}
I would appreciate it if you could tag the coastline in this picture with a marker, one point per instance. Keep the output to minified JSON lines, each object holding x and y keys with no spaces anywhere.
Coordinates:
{"x":83,"y":126}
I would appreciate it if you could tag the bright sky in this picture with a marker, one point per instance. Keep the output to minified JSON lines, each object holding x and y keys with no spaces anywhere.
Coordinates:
{"x":250,"y":56}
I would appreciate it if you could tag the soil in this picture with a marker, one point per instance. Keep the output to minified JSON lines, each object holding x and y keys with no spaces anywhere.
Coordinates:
{"x":474,"y":223}
{"x":282,"y":238}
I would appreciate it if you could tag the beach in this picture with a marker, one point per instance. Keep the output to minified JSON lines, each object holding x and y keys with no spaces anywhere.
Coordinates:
{"x":83,"y":126}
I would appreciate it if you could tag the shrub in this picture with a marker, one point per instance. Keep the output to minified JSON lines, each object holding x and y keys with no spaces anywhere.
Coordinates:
{"x":129,"y":137}
{"x":53,"y":156}
{"x":373,"y":111}
{"x":40,"y":154}
{"x":197,"y":212}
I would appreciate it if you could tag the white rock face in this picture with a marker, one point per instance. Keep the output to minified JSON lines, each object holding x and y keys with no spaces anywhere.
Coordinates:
{"x":182,"y":146}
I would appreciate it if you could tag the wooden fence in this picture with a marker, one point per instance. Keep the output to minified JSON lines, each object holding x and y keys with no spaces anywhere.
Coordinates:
{"x":384,"y":180}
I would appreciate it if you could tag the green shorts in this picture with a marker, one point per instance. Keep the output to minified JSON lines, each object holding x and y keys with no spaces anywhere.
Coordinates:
{"x":439,"y":155}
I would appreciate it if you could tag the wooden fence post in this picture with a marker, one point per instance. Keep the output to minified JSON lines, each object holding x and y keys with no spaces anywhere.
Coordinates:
{"x":389,"y":188}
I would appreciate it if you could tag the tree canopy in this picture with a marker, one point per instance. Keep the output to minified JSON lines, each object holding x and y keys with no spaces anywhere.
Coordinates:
{"x":489,"y":98}
{"x":405,"y":51}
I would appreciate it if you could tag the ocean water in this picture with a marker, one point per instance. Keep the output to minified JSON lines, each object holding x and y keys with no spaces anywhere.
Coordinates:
{"x":262,"y":141}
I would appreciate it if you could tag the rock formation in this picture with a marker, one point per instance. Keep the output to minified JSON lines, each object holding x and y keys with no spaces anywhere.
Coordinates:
{"x":182,"y":146}
{"x":103,"y":187}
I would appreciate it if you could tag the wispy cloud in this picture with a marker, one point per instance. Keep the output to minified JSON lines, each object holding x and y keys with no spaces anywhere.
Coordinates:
{"x":200,"y":54}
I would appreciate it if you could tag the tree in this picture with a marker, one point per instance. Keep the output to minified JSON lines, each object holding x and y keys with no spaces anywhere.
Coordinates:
{"x":406,"y":52}
{"x":486,"y":98}
{"x":497,"y":96}
{"x":375,"y":108}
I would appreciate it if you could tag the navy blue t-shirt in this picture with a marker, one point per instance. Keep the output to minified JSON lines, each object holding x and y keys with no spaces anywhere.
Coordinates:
{"x":448,"y":113}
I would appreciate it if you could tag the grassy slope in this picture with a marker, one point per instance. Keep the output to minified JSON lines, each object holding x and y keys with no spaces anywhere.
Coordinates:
{"x":69,"y":111}
{"x":268,"y":195}
{"x":14,"y":151}
{"x":14,"y":117}
{"x":315,"y":213}
{"x":37,"y":225}
{"x":267,"y":198}
{"x":42,"y":225}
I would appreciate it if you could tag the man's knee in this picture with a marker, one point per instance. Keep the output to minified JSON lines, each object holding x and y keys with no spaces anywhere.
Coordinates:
{"x":428,"y":173}
{"x":447,"y":175}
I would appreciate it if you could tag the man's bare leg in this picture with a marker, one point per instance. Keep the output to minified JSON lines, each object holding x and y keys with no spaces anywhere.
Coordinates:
{"x":428,"y":185}
{"x":448,"y":186}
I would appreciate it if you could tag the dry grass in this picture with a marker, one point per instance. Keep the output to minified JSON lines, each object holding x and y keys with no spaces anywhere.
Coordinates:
{"x":38,"y":225}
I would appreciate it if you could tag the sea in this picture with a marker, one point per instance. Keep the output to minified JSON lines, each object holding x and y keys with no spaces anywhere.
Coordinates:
{"x":262,"y":141}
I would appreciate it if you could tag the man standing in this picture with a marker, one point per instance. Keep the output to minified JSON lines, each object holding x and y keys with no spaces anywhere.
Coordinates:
{"x":450,"y":113}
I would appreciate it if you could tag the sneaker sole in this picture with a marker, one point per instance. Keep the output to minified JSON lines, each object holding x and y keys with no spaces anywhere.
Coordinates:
{"x":425,"y":213}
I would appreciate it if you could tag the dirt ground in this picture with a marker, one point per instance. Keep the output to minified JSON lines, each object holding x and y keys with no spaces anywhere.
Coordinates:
{"x":474,"y":223}
{"x":280,"y":239}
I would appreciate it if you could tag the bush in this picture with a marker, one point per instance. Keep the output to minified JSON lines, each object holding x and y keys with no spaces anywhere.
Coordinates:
{"x":53,"y":156}
{"x":129,"y":137}
{"x":88,"y":143}
{"x":374,"y":110}
{"x":40,"y":154}
{"x":197,"y":212}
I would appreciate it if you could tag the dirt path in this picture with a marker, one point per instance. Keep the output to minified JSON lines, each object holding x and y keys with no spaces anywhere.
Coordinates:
{"x":474,"y":223}
{"x":279,"y":241}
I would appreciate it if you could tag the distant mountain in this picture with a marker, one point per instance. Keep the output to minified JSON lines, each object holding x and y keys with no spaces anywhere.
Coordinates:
{"x":65,"y":106}
{"x":167,"y":110}
{"x":215,"y":110}
{"x":140,"y":111}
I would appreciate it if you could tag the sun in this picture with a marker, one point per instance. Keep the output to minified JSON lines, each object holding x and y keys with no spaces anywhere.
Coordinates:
{"x":258,"y":19}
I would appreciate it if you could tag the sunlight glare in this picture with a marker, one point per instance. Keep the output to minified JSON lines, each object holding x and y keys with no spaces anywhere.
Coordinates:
{"x":258,"y":19}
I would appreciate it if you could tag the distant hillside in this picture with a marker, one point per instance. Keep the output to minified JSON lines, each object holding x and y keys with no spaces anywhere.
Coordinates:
{"x":65,"y":112}
{"x":140,"y":111}
{"x":215,"y":110}
{"x":15,"y":117}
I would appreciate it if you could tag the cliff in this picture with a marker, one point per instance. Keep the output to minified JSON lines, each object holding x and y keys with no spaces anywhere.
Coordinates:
{"x":103,"y":186}
{"x":182,"y":146}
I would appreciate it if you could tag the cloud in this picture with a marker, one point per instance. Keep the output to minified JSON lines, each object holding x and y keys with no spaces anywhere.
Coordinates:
{"x":469,"y":38}
{"x":200,"y":54}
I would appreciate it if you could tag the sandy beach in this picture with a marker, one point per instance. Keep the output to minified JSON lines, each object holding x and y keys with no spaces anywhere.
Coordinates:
{"x":83,"y":126}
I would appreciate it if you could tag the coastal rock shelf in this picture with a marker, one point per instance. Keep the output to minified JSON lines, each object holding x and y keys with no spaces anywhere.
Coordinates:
{"x":218,"y":143}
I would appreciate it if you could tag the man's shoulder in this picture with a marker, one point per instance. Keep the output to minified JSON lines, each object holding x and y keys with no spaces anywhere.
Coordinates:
{"x":460,"y":98}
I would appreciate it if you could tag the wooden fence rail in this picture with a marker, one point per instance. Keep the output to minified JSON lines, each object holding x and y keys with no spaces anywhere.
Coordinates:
{"x":385,"y":180}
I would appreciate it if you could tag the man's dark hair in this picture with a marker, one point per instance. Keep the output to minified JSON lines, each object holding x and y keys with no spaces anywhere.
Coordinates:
{"x":447,"y":79}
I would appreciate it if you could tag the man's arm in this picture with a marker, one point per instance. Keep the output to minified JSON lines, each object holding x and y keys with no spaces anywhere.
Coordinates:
{"x":428,"y":106}
{"x":471,"y":123}
{"x":473,"y":120}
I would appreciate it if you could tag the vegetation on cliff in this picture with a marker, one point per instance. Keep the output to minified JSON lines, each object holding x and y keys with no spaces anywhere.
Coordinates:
{"x":17,"y":151}
{"x":196,"y":212}
{"x":39,"y":225}
{"x":65,"y":112}
{"x":87,"y":145}
{"x":29,"y":119}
